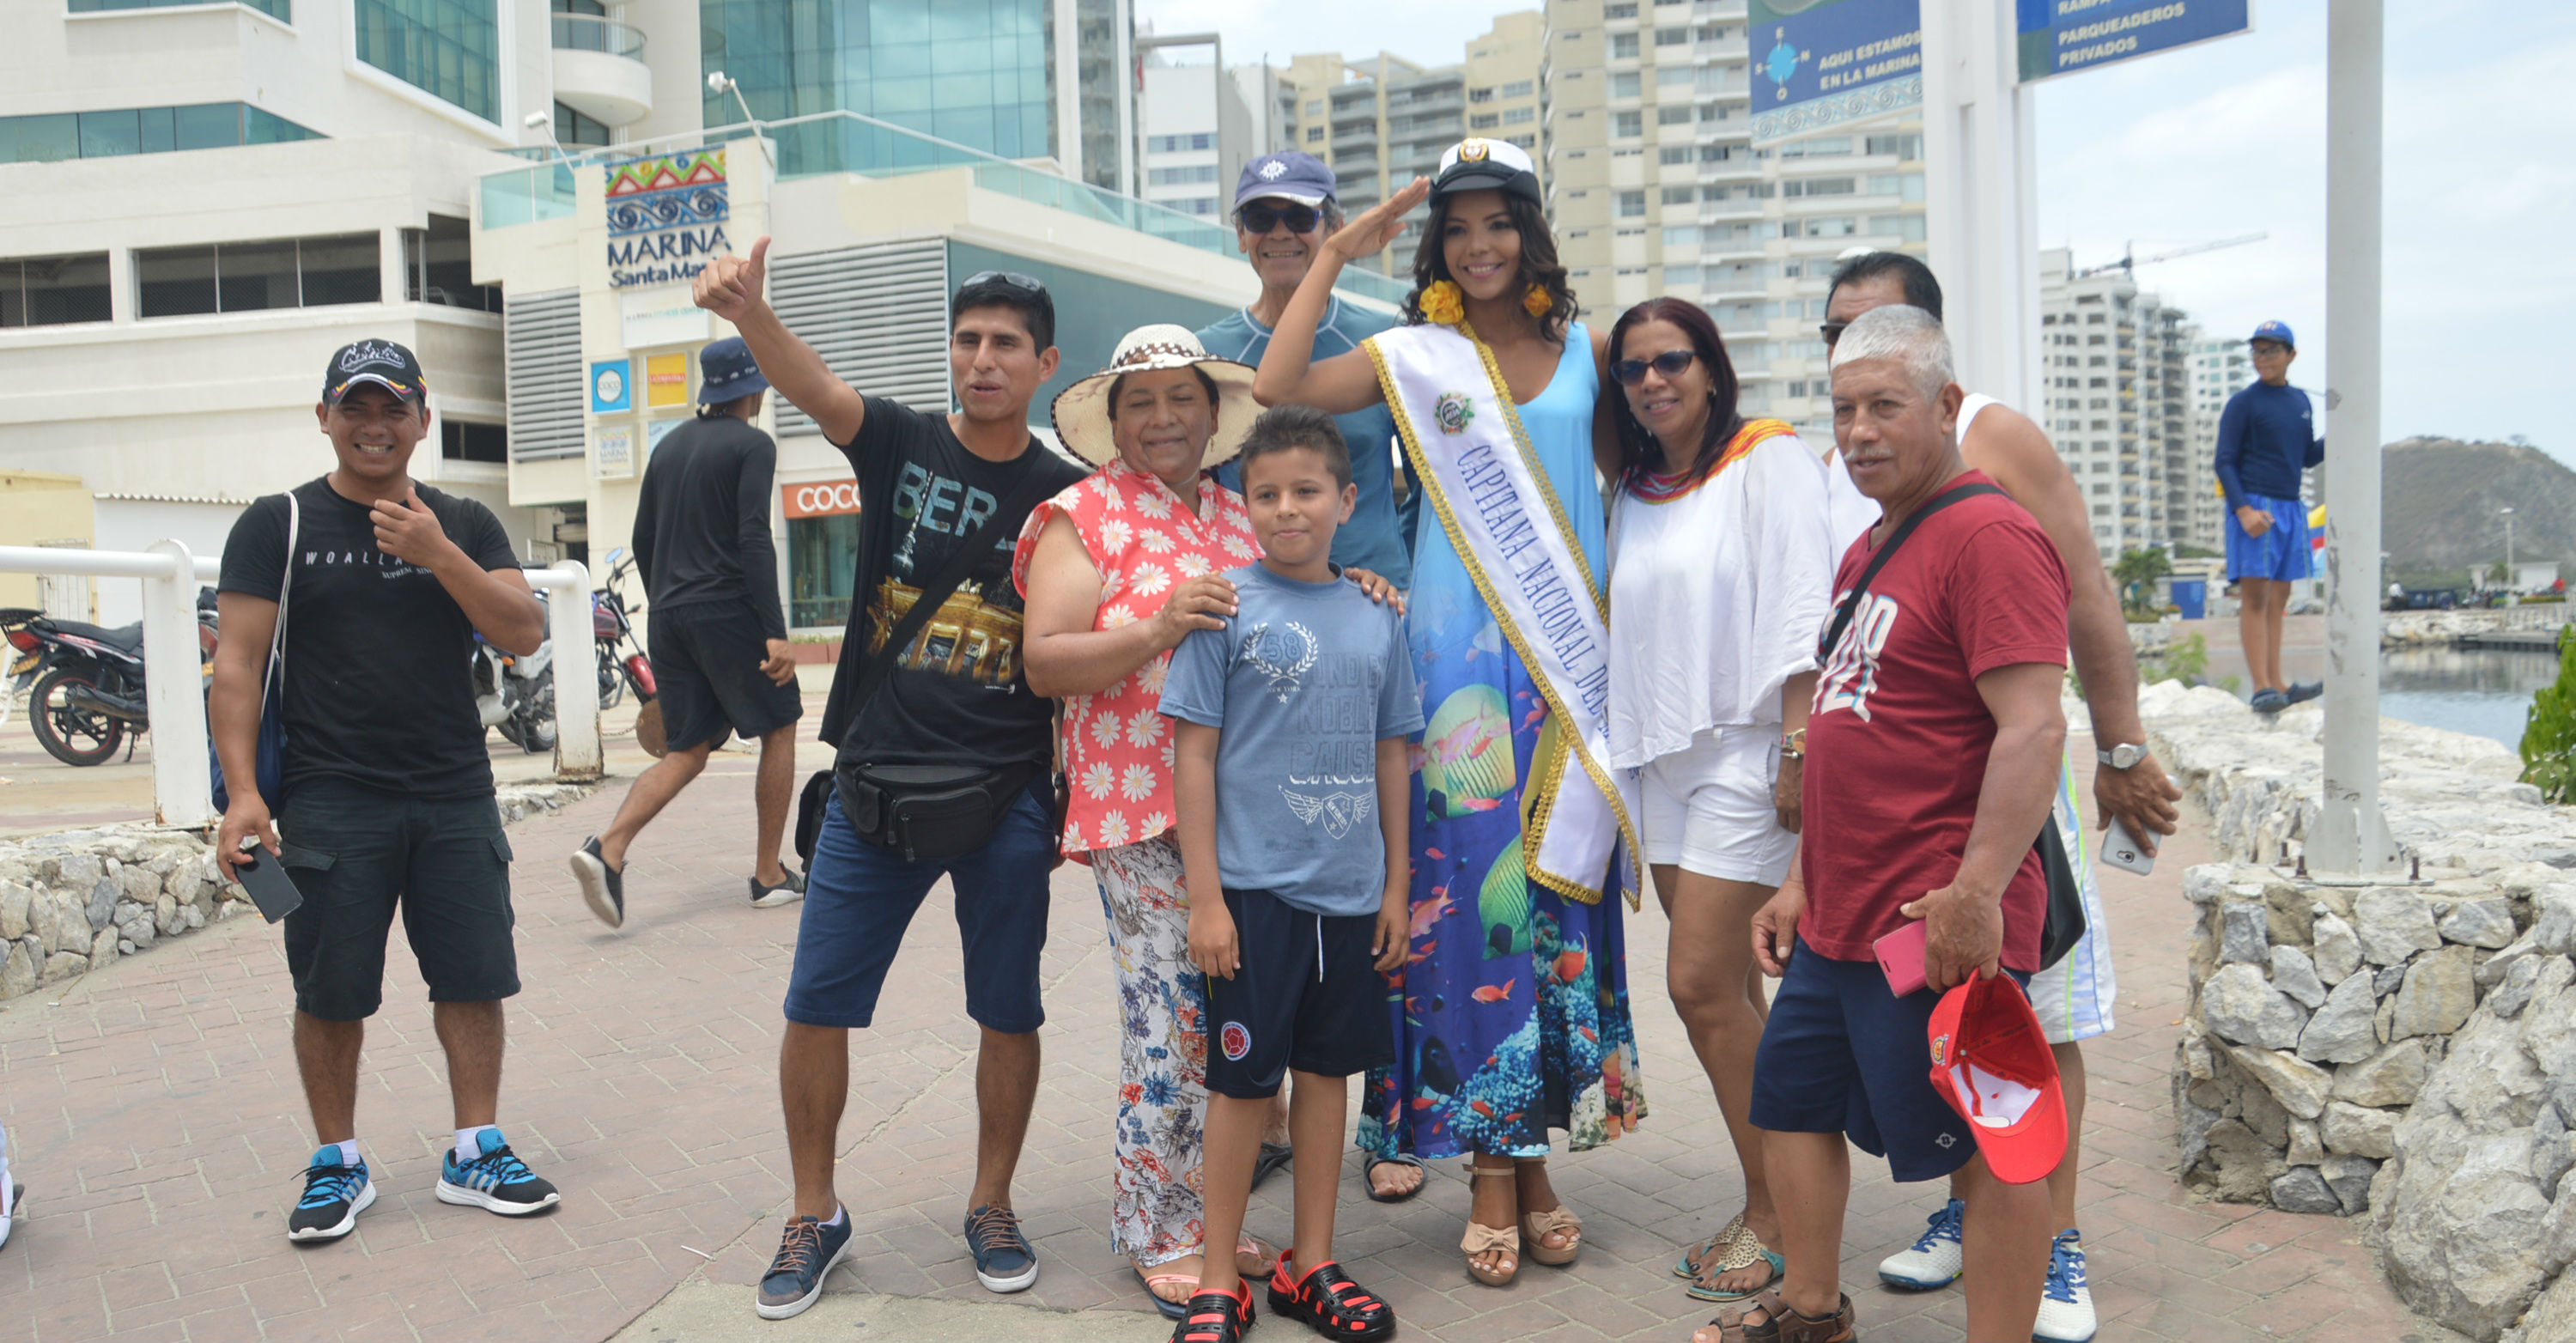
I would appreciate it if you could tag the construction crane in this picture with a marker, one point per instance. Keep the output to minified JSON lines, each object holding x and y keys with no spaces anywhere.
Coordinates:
{"x":2130,"y":260}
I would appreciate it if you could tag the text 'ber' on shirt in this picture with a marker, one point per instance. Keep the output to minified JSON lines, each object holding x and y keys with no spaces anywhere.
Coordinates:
{"x":1898,"y":736}
{"x":956,"y":696}
{"x":702,"y":521}
{"x":1302,"y":684}
{"x":379,"y":687}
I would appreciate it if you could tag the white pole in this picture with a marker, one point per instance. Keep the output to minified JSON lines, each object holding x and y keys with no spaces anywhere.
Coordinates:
{"x":182,"y":789}
{"x":1981,"y":199}
{"x":577,"y":754}
{"x":2351,"y":842}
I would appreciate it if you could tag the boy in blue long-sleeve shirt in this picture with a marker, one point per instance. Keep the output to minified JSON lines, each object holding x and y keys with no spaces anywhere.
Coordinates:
{"x":2266,"y":437}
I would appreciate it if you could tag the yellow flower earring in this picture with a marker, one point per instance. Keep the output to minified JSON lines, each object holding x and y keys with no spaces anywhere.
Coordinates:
{"x":1536,"y":302}
{"x":1443,"y":303}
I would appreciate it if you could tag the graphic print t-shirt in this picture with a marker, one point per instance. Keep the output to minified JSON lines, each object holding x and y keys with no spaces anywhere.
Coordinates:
{"x":378,"y":691}
{"x":1302,"y":683}
{"x":1898,"y":737}
{"x":955,"y":696}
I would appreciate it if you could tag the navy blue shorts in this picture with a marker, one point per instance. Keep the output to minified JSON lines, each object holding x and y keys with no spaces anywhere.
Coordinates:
{"x":859,"y":897}
{"x":1306,"y":997}
{"x":1843,"y":1055}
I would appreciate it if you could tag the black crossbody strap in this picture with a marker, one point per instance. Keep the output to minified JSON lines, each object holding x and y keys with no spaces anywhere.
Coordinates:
{"x":1008,"y":516}
{"x":1851,"y":600}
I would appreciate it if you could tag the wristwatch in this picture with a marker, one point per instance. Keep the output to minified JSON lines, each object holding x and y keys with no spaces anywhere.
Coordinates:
{"x":1793,"y":746}
{"x":2121,"y":757}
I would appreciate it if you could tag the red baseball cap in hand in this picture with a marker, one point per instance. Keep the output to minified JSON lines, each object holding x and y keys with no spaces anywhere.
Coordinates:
{"x":1991,"y":1063}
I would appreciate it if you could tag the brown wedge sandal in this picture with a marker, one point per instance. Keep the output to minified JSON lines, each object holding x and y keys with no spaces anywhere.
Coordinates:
{"x":1481,"y":1238}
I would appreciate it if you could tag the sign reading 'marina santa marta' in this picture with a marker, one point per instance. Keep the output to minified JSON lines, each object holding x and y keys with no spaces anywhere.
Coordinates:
{"x":666,"y":216}
{"x":2062,"y":36}
{"x":1819,"y":63}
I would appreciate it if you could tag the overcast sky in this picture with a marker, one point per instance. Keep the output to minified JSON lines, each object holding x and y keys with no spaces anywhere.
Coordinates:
{"x":2228,"y":138}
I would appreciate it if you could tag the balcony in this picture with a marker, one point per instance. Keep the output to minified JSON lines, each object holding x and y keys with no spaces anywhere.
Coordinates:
{"x":599,"y":69}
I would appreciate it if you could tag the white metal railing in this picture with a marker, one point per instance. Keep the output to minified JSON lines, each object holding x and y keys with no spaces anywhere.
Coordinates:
{"x":182,"y":791}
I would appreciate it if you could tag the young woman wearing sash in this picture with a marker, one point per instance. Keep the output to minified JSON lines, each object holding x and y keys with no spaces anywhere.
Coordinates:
{"x":1511,"y":1016}
{"x":1721,"y":572}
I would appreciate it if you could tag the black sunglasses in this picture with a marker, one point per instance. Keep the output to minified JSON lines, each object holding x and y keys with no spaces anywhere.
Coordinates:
{"x":1258,"y":218}
{"x":1009,"y":277}
{"x":1669,"y":363}
{"x":1833,"y":331}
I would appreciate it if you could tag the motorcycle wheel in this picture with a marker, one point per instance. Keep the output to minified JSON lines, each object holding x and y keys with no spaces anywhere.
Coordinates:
{"x":74,"y":736}
{"x":612,"y":680}
{"x":532,"y":727}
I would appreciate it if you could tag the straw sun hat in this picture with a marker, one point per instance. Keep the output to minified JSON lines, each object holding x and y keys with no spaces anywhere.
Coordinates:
{"x":1082,"y":410}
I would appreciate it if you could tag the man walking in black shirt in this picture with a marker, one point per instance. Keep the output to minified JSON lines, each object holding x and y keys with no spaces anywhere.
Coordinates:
{"x":943,"y":750}
{"x":386,"y":801}
{"x":719,"y":639}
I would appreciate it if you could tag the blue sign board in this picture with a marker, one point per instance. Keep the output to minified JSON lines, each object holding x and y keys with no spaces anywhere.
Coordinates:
{"x":1819,"y":63}
{"x":612,"y":387}
{"x":2062,"y":36}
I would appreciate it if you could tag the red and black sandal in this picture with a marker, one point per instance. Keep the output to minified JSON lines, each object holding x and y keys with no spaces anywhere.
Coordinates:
{"x":1328,"y":1301}
{"x":1216,"y":1317}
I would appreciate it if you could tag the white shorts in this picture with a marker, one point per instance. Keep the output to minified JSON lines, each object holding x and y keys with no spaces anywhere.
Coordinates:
{"x":2073,"y":997}
{"x":1708,"y":807}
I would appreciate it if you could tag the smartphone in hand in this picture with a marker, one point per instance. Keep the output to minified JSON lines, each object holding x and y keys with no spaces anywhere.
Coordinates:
{"x":265,"y":878}
{"x":2122,"y":851}
{"x":1900,"y":958}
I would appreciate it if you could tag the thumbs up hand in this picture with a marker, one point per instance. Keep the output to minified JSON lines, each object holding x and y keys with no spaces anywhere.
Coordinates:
{"x":733,"y":287}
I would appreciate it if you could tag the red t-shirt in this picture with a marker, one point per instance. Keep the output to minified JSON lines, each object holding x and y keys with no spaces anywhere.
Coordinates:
{"x":1897,"y":740}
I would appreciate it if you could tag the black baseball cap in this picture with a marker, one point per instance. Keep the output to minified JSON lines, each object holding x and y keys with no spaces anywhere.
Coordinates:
{"x":381,"y":362}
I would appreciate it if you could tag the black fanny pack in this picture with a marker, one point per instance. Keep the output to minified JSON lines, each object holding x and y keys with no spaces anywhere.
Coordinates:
{"x":929,"y":813}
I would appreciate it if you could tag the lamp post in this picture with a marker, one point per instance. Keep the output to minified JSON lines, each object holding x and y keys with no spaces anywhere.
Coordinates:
{"x":2507,"y":510}
{"x":719,"y":83}
{"x":545,"y":121}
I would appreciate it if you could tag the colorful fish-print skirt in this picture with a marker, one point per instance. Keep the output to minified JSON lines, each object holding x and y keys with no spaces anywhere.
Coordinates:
{"x":1511,"y":1012}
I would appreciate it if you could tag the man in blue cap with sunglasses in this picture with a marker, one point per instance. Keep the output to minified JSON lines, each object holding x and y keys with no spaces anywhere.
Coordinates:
{"x":1283,"y":211}
{"x":2267,"y":436}
{"x":719,"y":639}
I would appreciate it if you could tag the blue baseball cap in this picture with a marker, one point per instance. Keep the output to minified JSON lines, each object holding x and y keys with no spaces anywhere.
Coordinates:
{"x":2279,"y":331}
{"x":727,"y":372}
{"x":1290,"y":176}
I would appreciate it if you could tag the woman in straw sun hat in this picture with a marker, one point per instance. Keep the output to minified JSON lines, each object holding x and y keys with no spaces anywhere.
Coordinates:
{"x":1511,"y":1017}
{"x":1116,"y":571}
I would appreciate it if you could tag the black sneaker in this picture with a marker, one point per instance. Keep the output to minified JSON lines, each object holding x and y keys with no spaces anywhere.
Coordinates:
{"x":2300,"y":692}
{"x":604,"y":887}
{"x":1216,"y":1317}
{"x":1327,"y":1300}
{"x":334,"y":1195}
{"x":497,"y":1180}
{"x":1003,"y":1260}
{"x":789,"y":890}
{"x":806,"y":1255}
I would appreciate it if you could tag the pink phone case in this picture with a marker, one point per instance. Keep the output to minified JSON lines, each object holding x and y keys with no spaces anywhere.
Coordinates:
{"x":1900,"y":956}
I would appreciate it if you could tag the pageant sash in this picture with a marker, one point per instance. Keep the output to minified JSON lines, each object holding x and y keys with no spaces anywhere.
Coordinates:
{"x":1455,"y":415}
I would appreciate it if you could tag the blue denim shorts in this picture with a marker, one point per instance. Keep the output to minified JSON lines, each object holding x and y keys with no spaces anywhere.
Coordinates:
{"x":859,"y":898}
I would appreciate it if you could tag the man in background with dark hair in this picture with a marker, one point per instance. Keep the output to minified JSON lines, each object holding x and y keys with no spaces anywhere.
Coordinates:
{"x":719,"y":639}
{"x":951,"y":696}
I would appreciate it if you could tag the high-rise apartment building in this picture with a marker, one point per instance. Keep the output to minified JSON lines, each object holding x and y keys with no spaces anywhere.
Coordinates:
{"x":2118,"y":369}
{"x":1197,"y":127}
{"x":1656,"y":189}
{"x":2217,"y":370}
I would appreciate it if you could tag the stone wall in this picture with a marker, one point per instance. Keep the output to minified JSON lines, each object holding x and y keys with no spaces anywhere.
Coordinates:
{"x":2441,"y":627}
{"x":2406,"y":1050}
{"x":77,"y":899}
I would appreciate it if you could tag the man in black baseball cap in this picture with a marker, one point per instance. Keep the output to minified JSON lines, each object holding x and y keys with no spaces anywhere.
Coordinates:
{"x":375,"y":586}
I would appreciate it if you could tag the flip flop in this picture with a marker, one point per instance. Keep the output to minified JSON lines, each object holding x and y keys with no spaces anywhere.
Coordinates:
{"x":1172,"y":1310}
{"x":1688,"y":1265}
{"x":1273,"y":1156}
{"x":1369,"y":1186}
{"x":1738,"y":1248}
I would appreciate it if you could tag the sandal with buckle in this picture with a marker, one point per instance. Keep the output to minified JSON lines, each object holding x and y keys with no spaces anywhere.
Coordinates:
{"x":1780,"y":1324}
{"x":1481,"y":1238}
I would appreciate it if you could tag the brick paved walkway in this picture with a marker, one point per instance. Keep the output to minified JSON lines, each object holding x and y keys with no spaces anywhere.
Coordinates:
{"x":153,"y":1111}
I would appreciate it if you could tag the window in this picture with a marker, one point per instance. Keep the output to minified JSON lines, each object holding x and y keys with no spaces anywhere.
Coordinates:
{"x":1681,"y":235}
{"x":1623,"y":46}
{"x":1314,"y":134}
{"x":1180,"y":144}
{"x":1717,"y":153}
{"x":467,"y":441}
{"x":449,"y":49}
{"x":1314,"y":107}
{"x":1816,"y":149}
{"x":249,"y":276}
{"x":275,"y":9}
{"x":1675,"y":76}
{"x":1680,"y":195}
{"x":572,"y":128}
{"x":1480,"y":95}
{"x":1484,"y":121}
{"x":1632,"y":205}
{"x":1520,"y":88}
{"x":1519,"y":116}
{"x":1680,"y":276}
{"x":1626,"y":84}
{"x":1829,"y":226}
{"x":1671,"y":37}
{"x":1619,"y":11}
{"x":50,"y":137}
{"x":1672,"y":154}
{"x":438,"y":267}
{"x":1181,"y":176}
{"x":1907,"y":227}
{"x":52,"y":290}
{"x":1818,"y":186}
{"x":1627,"y":125}
{"x":1672,"y":116}
{"x":1902,"y":146}
{"x":1903,"y":186}
{"x":1524,"y":141}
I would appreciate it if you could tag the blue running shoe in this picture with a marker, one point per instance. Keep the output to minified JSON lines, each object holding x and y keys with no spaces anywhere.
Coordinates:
{"x":497,"y":1180}
{"x":1003,"y":1260}
{"x":2065,"y":1304}
{"x":334,"y":1195}
{"x":1935,"y":1258}
{"x":806,"y":1255}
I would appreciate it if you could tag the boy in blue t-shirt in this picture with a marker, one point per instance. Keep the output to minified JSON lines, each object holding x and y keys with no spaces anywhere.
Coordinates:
{"x":1289,"y":776}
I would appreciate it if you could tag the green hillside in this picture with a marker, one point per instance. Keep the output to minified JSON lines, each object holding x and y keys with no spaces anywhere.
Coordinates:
{"x":2441,"y":500}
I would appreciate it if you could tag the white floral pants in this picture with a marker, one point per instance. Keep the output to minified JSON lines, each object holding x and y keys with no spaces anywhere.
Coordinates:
{"x":1155,"y":1212}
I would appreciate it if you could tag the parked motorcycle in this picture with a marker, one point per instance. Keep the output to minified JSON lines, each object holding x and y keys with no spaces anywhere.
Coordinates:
{"x":612,"y":631}
{"x":516,"y":693}
{"x":87,"y":698}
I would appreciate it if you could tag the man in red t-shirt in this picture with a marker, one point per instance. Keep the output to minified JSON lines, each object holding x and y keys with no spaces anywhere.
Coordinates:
{"x":1931,"y":764}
